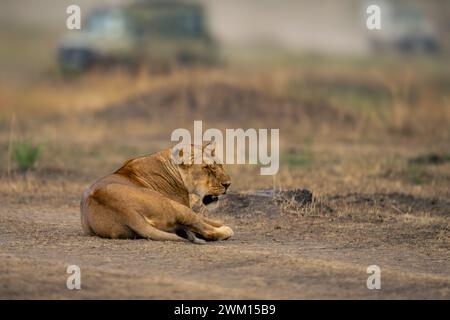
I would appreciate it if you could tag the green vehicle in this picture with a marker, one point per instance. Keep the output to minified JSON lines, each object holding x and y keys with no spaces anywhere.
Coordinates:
{"x":159,"y":34}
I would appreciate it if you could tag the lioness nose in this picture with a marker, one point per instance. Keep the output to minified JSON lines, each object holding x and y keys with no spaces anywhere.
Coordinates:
{"x":226,"y":184}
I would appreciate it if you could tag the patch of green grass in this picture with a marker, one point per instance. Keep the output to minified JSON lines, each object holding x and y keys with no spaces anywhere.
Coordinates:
{"x":25,"y":154}
{"x":406,"y":171}
{"x":301,"y":159}
{"x":417,"y":175}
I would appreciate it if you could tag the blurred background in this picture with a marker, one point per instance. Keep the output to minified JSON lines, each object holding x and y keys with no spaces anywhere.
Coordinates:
{"x":357,"y":109}
{"x":33,"y":32}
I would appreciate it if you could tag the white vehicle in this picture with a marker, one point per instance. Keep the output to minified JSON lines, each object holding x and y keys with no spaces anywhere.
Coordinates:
{"x":406,"y":29}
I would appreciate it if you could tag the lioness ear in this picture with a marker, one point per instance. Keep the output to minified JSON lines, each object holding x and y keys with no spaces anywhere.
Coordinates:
{"x":177,"y":151}
{"x":209,"y":150}
{"x":177,"y":155}
{"x":211,"y":145}
{"x":213,"y":149}
{"x":207,"y":143}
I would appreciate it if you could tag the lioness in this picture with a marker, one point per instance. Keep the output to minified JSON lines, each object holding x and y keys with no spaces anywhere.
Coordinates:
{"x":153,"y":197}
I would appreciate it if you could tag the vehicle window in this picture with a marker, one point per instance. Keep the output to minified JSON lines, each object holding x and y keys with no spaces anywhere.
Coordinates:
{"x":106,"y":23}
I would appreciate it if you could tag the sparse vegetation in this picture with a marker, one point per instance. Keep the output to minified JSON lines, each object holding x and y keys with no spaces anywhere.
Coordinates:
{"x":431,"y":159}
{"x":25,"y":154}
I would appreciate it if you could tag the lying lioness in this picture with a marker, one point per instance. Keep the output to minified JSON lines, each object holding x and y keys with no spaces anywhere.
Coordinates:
{"x":153,"y":197}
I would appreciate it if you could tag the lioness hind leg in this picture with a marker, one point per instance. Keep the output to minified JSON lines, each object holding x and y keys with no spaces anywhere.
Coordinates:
{"x":142,"y":227}
{"x":214,"y":223}
{"x":200,"y":226}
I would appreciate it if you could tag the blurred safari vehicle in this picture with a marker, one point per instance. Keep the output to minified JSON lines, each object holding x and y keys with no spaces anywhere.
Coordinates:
{"x":405,"y":29}
{"x":159,"y":34}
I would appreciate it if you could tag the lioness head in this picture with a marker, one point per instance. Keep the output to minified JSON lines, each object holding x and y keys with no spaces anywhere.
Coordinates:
{"x":205,"y":177}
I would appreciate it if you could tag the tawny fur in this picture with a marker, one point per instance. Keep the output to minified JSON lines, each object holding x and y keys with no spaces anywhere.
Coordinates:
{"x":151,"y":197}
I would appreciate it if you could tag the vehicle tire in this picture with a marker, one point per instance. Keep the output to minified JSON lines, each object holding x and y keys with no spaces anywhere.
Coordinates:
{"x":75,"y":60}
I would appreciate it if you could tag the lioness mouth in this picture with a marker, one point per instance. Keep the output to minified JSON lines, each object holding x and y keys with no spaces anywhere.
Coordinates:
{"x":209,"y":199}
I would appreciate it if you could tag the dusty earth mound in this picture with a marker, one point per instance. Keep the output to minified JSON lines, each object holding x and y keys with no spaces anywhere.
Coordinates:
{"x":265,"y":203}
{"x":221,"y":102}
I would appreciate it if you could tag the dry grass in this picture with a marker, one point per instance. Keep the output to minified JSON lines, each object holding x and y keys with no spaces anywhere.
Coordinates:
{"x":334,"y":121}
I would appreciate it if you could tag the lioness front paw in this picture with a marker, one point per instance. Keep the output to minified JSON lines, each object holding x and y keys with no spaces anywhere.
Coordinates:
{"x":225,"y":232}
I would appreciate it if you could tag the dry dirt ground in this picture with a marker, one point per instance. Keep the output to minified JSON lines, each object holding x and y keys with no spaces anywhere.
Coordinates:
{"x":283,"y":248}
